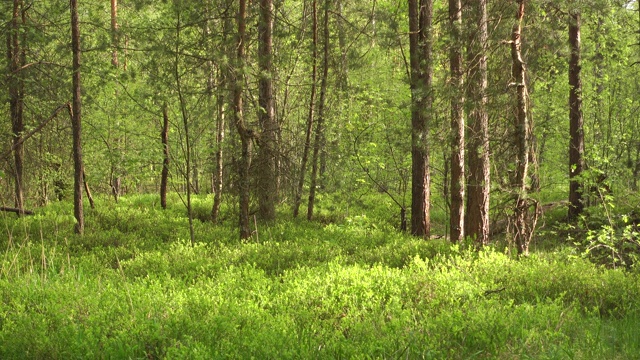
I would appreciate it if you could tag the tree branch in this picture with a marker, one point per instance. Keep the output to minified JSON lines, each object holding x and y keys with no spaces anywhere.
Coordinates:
{"x":7,"y":153}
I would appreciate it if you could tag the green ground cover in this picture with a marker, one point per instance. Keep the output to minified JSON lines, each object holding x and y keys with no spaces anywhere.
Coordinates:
{"x":352,"y":287}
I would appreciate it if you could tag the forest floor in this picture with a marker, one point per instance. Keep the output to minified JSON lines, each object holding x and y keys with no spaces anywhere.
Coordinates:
{"x":347,"y":287}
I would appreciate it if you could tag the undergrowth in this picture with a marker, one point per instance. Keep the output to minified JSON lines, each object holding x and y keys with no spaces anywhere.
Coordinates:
{"x":351,"y":287}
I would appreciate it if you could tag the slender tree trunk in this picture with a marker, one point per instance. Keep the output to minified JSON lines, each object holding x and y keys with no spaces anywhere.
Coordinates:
{"x":522,"y":131}
{"x":343,"y":79}
{"x":220,"y":124}
{"x":243,"y":131}
{"x":220,"y":87}
{"x":195,"y":167}
{"x":267,"y":181}
{"x":15,"y":58}
{"x":312,"y":101}
{"x":576,"y":132}
{"x":420,"y":47}
{"x":116,"y":180}
{"x":636,"y":167}
{"x":114,"y":32}
{"x":317,"y":146}
{"x":456,"y":225}
{"x":477,"y":213}
{"x":87,"y":190}
{"x":598,"y":62}
{"x":185,"y":123}
{"x":76,"y":121}
{"x":164,"y":176}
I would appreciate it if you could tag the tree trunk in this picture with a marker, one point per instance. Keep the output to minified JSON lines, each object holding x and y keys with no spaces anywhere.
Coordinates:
{"x":456,"y":224}
{"x":87,"y":190}
{"x":195,"y":167}
{"x":477,"y":214}
{"x":76,"y":121}
{"x":36,"y":130}
{"x":15,"y":57}
{"x":598,"y":63}
{"x":420,"y":46}
{"x":576,"y":133}
{"x":343,"y":78}
{"x":220,"y":123}
{"x":267,"y":181}
{"x":116,"y":180}
{"x":317,"y":146}
{"x":220,"y":86}
{"x":310,"y":118}
{"x":245,"y":134}
{"x":522,"y":131}
{"x":164,"y":177}
{"x":185,"y":124}
{"x":114,"y":32}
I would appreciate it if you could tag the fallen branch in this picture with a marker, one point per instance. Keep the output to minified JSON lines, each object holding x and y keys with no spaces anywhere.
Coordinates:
{"x":17,"y":211}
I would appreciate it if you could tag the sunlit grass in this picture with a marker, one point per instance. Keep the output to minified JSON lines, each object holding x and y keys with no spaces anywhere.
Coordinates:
{"x":350,"y":287}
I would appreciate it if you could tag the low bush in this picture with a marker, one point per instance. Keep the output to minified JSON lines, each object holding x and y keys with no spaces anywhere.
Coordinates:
{"x":349,"y":289}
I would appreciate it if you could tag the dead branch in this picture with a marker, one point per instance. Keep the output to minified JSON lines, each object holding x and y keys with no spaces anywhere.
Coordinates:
{"x":7,"y":153}
{"x":17,"y":211}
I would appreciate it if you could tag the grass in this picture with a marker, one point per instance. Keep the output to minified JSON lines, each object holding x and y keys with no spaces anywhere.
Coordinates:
{"x":350,"y":287}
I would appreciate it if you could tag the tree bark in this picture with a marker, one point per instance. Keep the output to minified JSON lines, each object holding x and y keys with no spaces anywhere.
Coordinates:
{"x":522,"y":133}
{"x":220,"y":124}
{"x":576,"y":132}
{"x":36,"y":130}
{"x":420,"y":48}
{"x":87,"y":190}
{"x":16,"y":210}
{"x":15,"y":57}
{"x":456,"y":223}
{"x":317,"y":146}
{"x":267,"y":181}
{"x":76,"y":121}
{"x":164,"y":176}
{"x":114,"y":32}
{"x":477,"y":212}
{"x":246,"y":134}
{"x":343,"y":78}
{"x":185,"y":124}
{"x":116,"y":179}
{"x":217,"y":82}
{"x":311,"y":114}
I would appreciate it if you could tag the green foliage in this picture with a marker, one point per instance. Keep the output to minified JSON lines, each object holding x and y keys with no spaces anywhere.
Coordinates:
{"x":608,"y":231}
{"x":612,"y":235}
{"x":135,"y":287}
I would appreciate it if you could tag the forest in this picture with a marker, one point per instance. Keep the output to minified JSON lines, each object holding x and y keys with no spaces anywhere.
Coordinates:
{"x":320,"y":179}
